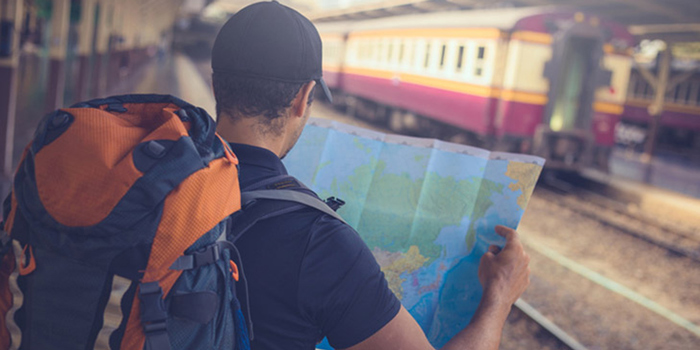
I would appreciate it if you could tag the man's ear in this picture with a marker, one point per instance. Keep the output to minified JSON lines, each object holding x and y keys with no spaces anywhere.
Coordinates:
{"x":301,"y":100}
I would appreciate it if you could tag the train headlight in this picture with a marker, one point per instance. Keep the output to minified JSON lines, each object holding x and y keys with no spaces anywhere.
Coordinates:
{"x":557,"y":122}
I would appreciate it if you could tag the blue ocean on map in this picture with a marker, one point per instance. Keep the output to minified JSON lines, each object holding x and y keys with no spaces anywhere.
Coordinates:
{"x":426,"y":208}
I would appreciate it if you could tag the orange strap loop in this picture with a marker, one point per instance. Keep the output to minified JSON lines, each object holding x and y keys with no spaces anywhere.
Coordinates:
{"x":25,"y":267}
{"x":227,"y":150}
{"x":234,"y":270}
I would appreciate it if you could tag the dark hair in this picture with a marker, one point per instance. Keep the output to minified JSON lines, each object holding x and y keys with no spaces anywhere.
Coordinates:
{"x":239,"y":97}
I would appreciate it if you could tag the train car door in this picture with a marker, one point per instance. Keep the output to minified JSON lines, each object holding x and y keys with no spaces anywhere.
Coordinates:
{"x":568,"y":106}
{"x":565,"y":138}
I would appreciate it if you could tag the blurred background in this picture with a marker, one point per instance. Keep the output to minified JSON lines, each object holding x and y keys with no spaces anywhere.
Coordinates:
{"x":608,"y":91}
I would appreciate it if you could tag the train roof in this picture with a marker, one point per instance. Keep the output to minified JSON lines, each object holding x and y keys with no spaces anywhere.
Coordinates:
{"x":340,"y":27}
{"x":535,"y":19}
{"x":489,"y":18}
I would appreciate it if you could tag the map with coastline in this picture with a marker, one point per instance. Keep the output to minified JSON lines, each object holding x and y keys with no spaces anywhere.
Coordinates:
{"x":425,"y":207}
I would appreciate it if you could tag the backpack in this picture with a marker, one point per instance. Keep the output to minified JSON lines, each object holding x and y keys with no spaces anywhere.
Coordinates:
{"x":118,"y":232}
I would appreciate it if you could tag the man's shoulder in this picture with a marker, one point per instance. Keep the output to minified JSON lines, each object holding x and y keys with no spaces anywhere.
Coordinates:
{"x":319,"y":224}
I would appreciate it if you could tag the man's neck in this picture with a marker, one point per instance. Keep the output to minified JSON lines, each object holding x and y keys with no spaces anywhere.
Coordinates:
{"x":248,"y":131}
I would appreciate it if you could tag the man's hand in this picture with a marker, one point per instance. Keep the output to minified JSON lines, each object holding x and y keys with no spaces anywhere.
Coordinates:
{"x":504,"y":273}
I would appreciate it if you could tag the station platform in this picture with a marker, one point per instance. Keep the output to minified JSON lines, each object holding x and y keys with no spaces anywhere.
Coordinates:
{"x":670,"y":205}
{"x":173,"y":75}
{"x":667,"y":171}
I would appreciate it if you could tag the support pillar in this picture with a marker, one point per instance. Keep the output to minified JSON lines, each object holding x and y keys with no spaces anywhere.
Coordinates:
{"x":656,"y":109}
{"x":85,"y":41}
{"x":10,"y":25}
{"x":99,"y":68}
{"x":60,"y":21}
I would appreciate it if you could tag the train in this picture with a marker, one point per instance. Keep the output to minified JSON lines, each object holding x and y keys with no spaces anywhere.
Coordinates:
{"x":679,"y":133}
{"x":547,"y":81}
{"x":542,"y":81}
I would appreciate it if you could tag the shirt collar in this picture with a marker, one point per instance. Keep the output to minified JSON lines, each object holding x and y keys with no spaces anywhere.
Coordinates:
{"x":263,"y":160}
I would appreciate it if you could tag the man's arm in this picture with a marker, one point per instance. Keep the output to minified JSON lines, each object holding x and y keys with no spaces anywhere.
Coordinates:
{"x":504,"y":275}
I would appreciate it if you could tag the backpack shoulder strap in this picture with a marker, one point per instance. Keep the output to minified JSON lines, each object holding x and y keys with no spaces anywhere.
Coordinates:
{"x":265,"y":199}
{"x":289,"y":196}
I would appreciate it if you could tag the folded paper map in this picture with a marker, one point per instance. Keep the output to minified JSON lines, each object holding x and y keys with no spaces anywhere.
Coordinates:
{"x":426,"y":208}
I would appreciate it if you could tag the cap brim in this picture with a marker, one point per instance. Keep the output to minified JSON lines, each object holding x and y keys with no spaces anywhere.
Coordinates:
{"x":326,"y":90}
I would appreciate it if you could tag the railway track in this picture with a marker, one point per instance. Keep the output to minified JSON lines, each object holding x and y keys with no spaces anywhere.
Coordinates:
{"x":546,"y":332}
{"x":597,"y":201}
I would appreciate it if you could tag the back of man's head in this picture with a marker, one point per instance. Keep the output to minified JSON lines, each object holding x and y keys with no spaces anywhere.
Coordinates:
{"x":261,"y":58}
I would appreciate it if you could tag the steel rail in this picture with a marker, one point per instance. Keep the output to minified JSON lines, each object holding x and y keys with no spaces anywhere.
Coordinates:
{"x":556,"y":189}
{"x":548,"y":325}
{"x":609,"y":284}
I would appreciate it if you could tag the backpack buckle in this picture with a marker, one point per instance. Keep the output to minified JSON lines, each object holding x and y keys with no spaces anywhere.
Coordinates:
{"x":153,"y":316}
{"x":334,"y":203}
{"x":152,"y":305}
{"x":204,"y":256}
{"x":207,"y":255}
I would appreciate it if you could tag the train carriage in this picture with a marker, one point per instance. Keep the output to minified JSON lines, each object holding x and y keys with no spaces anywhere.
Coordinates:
{"x":536,"y":80}
{"x":680,"y":119}
{"x":334,"y":36}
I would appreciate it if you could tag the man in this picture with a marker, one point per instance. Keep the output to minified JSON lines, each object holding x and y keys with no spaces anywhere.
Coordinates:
{"x":309,"y":275}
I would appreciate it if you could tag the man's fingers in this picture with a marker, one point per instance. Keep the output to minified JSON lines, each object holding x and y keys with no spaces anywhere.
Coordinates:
{"x":506,"y":232}
{"x":494,"y":249}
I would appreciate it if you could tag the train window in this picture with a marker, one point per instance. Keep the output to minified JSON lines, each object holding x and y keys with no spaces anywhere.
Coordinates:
{"x":632,"y":87}
{"x":479,"y":64}
{"x":380,"y":51}
{"x":670,"y":95}
{"x":390,"y":56}
{"x":442,"y":56}
{"x":647,"y":90}
{"x":376,"y":51}
{"x":686,"y":95}
{"x":679,"y":93}
{"x":365,"y":51}
{"x":460,"y":57}
{"x":368,"y":51}
{"x":413,"y":54}
{"x":694,"y":93}
{"x":401,"y":48}
{"x":426,"y":62}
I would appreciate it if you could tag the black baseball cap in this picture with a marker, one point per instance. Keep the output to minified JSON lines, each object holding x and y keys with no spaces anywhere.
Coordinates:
{"x":268,"y":40}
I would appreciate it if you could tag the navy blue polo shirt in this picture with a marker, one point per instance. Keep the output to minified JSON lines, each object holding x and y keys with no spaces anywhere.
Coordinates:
{"x":309,"y":275}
